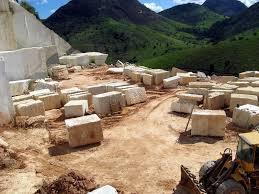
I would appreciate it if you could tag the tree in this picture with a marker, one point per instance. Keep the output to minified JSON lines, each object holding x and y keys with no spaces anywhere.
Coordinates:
{"x":29,"y":8}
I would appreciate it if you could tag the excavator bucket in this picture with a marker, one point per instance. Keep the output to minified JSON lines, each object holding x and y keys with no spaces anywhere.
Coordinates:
{"x":190,"y":183}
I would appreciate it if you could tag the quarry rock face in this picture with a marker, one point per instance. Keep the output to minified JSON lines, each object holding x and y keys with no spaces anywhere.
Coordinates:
{"x":6,"y":107}
{"x":84,"y":130}
{"x":22,"y":30}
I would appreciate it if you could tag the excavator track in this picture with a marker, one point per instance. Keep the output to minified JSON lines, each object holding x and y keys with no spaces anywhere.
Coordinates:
{"x":190,"y":182}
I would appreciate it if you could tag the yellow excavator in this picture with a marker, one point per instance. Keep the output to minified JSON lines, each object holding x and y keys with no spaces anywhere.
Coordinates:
{"x":226,"y":175}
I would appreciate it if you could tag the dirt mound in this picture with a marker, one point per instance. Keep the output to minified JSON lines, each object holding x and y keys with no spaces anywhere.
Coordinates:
{"x":72,"y":182}
{"x":10,"y":160}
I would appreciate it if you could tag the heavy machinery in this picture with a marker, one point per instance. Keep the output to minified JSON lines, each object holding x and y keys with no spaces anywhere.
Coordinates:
{"x":226,"y":175}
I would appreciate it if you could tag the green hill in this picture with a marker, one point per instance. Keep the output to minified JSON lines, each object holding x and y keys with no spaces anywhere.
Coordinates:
{"x":192,"y":14}
{"x":247,"y":20}
{"x":228,"y":57}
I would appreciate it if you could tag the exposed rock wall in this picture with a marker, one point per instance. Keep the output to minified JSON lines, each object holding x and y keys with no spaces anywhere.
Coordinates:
{"x":21,"y":29}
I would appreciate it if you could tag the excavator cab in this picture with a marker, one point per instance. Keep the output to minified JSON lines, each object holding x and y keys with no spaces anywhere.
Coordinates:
{"x":226,"y":175}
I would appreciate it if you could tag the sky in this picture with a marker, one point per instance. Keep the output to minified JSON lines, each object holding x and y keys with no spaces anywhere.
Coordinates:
{"x":46,"y":7}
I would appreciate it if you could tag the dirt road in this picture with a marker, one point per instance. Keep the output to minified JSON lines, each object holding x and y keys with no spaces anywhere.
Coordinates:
{"x":140,"y":154}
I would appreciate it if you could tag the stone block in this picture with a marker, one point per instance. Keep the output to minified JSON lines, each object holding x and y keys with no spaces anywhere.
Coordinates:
{"x":115,"y":70}
{"x":104,"y":190}
{"x":107,"y":103}
{"x":201,"y":85}
{"x":66,"y":92}
{"x":198,"y":91}
{"x":225,"y":79}
{"x":74,"y":60}
{"x":159,"y":75}
{"x":136,"y":77}
{"x":74,"y":69}
{"x":135,"y":95}
{"x":30,"y":108}
{"x":186,"y":79}
{"x":51,"y":101}
{"x":242,"y":99}
{"x":97,"y":58}
{"x":175,"y":70}
{"x":112,"y":86}
{"x":19,"y":87}
{"x":224,"y":87}
{"x":76,"y":108}
{"x":22,"y":97}
{"x":255,"y":84}
{"x":227,"y":94}
{"x":38,"y":93}
{"x":190,"y":97}
{"x":84,"y":130}
{"x":148,"y":79}
{"x":43,"y":84}
{"x":246,"y":74}
{"x":249,"y":90}
{"x":60,"y":72}
{"x":249,"y":79}
{"x":208,"y":123}
{"x":246,"y":116}
{"x":256,"y":73}
{"x":122,"y":89}
{"x":123,"y":100}
{"x":239,"y":84}
{"x":82,"y":96}
{"x":97,"y":89}
{"x":182,"y":107}
{"x":171,"y":82}
{"x":216,"y":100}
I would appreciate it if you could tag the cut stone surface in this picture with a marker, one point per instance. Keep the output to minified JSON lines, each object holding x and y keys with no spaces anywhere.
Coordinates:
{"x":43,"y":84}
{"x":38,"y":93}
{"x":84,"y":130}
{"x":122,"y":89}
{"x":175,"y":70}
{"x":182,"y":107}
{"x":136,"y":77}
{"x":191,"y":97}
{"x":201,"y":85}
{"x":216,"y":101}
{"x":66,"y":92}
{"x":6,"y":104}
{"x":82,"y":96}
{"x":22,"y":97}
{"x":148,"y":79}
{"x":75,"y":59}
{"x":249,"y":79}
{"x":242,"y":99}
{"x":135,"y":95}
{"x":107,"y":103}
{"x":159,"y":75}
{"x":255,"y":84}
{"x":239,"y":84}
{"x":51,"y":101}
{"x":246,"y":116}
{"x":249,"y":90}
{"x":19,"y":87}
{"x":186,"y":78}
{"x":31,"y":108}
{"x":208,"y":123}
{"x":60,"y":72}
{"x":97,"y":89}
{"x":227,"y":94}
{"x":115,"y":70}
{"x":105,"y":190}
{"x":225,"y":87}
{"x":246,"y":74}
{"x":76,"y":108}
{"x":198,"y":91}
{"x":97,"y":58}
{"x":225,"y":79}
{"x":171,"y":82}
{"x":112,"y":86}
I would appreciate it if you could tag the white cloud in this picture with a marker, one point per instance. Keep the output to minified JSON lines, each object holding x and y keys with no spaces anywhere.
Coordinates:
{"x":52,"y":11}
{"x":43,"y":2}
{"x":178,"y":2}
{"x":153,"y":6}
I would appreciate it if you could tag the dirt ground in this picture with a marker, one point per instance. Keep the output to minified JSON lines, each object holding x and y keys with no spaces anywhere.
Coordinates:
{"x":142,"y":150}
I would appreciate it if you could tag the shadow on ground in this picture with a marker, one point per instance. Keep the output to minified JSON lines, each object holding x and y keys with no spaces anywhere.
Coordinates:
{"x":64,"y":149}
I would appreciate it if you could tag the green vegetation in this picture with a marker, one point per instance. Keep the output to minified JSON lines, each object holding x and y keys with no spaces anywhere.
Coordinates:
{"x":26,"y":5}
{"x":230,"y":56}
